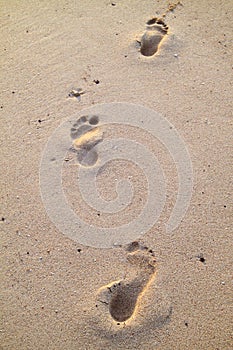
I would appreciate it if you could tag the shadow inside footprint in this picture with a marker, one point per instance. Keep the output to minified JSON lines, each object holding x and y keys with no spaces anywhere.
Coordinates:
{"x":124,"y":299}
{"x":153,"y":36}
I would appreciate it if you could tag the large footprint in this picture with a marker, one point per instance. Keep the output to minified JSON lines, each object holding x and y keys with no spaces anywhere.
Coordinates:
{"x":121,"y":299}
{"x":156,"y":30}
{"x":86,"y":135}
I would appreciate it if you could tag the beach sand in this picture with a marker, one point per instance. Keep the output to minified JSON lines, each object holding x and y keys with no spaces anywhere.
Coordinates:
{"x":164,"y":290}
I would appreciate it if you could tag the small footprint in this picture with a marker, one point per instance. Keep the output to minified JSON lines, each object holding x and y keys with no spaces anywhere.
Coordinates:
{"x":86,"y":135}
{"x":122,"y":297}
{"x":156,"y":29}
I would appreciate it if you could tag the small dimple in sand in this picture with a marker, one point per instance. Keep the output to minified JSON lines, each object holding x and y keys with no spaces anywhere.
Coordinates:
{"x":86,"y":135}
{"x":123,"y":297}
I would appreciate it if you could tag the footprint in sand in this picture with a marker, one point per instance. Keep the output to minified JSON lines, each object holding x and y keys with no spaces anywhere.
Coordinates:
{"x":122,"y":297}
{"x":156,"y":30}
{"x":86,"y":135}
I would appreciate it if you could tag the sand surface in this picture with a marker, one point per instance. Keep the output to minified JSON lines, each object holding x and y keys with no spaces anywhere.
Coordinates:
{"x":175,"y":289}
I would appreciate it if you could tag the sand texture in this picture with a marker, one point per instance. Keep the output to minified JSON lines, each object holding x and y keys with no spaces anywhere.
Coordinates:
{"x":160,"y":290}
